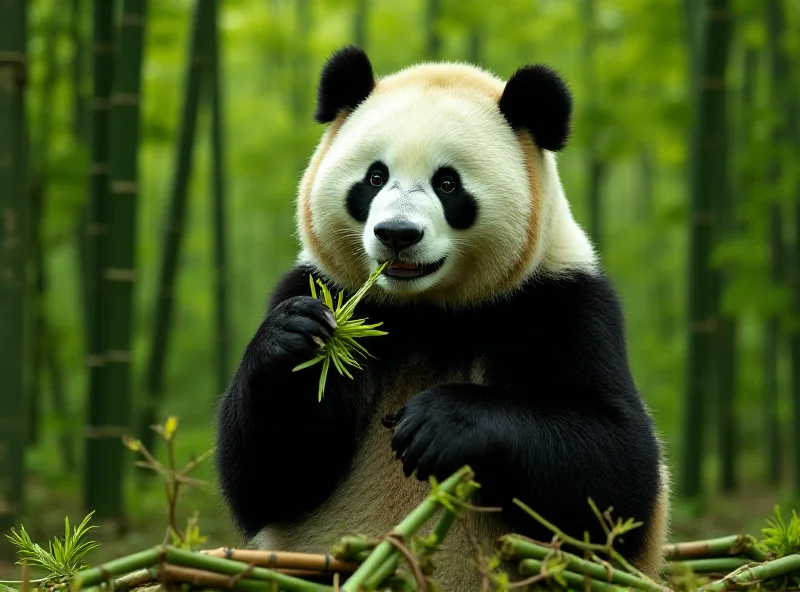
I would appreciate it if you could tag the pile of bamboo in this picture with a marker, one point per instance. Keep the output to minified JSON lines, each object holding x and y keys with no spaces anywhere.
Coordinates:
{"x":398,"y":562}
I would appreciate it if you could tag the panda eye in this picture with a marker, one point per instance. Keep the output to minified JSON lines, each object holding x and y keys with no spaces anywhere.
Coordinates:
{"x":376,"y":179}
{"x":447,"y":186}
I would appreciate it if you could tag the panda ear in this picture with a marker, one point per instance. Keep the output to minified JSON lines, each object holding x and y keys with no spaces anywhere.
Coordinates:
{"x":345,"y":81}
{"x":535,"y":98}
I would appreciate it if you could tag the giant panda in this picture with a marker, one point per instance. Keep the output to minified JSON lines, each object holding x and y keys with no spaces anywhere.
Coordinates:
{"x":505,"y":348}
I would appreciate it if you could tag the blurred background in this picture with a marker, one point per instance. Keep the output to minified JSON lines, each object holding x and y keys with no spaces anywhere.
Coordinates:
{"x":148,"y":169}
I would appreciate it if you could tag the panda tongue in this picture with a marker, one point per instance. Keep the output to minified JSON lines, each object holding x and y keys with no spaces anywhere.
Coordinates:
{"x":403,"y":265}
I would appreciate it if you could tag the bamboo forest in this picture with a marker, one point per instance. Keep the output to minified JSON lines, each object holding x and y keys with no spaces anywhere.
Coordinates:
{"x":151,"y":155}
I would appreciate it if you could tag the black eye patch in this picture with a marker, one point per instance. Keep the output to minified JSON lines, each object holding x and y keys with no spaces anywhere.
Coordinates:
{"x":460,"y":208}
{"x":361,"y":194}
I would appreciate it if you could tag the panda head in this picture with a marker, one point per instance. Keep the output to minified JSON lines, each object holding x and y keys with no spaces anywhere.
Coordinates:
{"x":444,"y":169}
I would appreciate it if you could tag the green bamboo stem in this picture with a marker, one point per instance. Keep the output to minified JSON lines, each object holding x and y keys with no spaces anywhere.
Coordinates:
{"x":231,"y":568}
{"x":714,"y":564}
{"x":218,"y":213}
{"x":738,"y":544}
{"x":763,"y":572}
{"x":115,"y":568}
{"x":119,"y":257}
{"x":707,"y":181}
{"x":532,"y":567}
{"x":405,"y":529}
{"x":353,"y":548}
{"x":515,"y":548}
{"x":173,"y":229}
{"x":13,"y":197}
{"x":97,"y":447}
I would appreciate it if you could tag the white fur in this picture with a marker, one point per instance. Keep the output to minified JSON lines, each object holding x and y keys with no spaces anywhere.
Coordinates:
{"x":416,"y":128}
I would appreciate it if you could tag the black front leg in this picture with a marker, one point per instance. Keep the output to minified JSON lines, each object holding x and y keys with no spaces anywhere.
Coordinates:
{"x":552,"y":458}
{"x":279,"y":450}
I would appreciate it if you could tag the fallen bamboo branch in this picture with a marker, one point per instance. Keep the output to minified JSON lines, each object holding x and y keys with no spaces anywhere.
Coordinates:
{"x":310,"y":562}
{"x":739,"y":544}
{"x":533,"y":567}
{"x":757,"y":573}
{"x":406,"y":529}
{"x":723,"y":565}
{"x":513,"y":547}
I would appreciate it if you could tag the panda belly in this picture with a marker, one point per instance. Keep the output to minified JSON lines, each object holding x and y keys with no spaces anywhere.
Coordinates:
{"x":375,"y":495}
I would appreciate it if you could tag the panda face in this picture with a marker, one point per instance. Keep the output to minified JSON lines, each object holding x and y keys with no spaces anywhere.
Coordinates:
{"x":434,"y":181}
{"x":444,"y":169}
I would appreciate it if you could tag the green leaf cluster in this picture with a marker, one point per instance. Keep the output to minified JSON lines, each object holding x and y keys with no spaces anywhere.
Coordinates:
{"x":340,"y":348}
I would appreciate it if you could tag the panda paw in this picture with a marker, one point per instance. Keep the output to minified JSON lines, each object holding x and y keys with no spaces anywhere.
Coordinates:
{"x":295,"y":331}
{"x":436,"y":433}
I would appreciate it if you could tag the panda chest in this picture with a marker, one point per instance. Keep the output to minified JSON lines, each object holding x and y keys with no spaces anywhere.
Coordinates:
{"x":404,"y":378}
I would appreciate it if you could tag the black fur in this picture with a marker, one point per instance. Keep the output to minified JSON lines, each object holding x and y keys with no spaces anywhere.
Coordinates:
{"x":346,"y":80}
{"x":460,"y":208}
{"x":360,"y":196}
{"x":537,"y":99}
{"x":559,"y":419}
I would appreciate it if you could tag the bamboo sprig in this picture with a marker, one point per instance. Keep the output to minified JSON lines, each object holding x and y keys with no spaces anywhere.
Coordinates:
{"x":741,"y":544}
{"x":63,"y":558}
{"x":341,"y":346}
{"x":354,"y":548}
{"x":607,"y":548}
{"x":758,"y":573}
{"x":513,"y":547}
{"x":406,"y":529}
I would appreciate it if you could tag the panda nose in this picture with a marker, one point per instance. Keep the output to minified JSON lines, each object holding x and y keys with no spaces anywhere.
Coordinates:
{"x":398,"y":235}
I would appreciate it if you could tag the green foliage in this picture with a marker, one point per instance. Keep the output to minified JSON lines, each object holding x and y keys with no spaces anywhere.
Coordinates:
{"x":782,"y":539}
{"x":63,"y":558}
{"x":173,"y":479}
{"x":341,"y":346}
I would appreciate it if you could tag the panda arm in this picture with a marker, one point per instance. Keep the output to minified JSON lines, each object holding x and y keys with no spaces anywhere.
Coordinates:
{"x":558,"y":420}
{"x":280,"y":451}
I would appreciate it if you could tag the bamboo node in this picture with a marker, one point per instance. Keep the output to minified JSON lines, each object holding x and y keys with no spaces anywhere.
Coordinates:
{"x":99,"y":168}
{"x":106,"y":431}
{"x":95,"y":360}
{"x":102,"y":47}
{"x":116,"y":274}
{"x":120,"y":356}
{"x":99,"y":103}
{"x":133,"y":19}
{"x":708,"y":325}
{"x":124,"y":187}
{"x":713,"y":83}
{"x":125,"y":99}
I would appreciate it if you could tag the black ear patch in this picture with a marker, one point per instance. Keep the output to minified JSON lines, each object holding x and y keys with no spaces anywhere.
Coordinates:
{"x":345,"y":81}
{"x":537,"y":99}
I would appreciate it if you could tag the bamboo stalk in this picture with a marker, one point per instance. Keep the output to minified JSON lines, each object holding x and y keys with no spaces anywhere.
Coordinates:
{"x":738,"y":544}
{"x":533,"y":567}
{"x":218,"y":214}
{"x":765,"y":571}
{"x":405,"y":529}
{"x":97,"y":447}
{"x":353,"y":548}
{"x":173,"y":229}
{"x":231,"y":568}
{"x":707,"y":180}
{"x":117,"y":567}
{"x":723,"y":565}
{"x":285,"y":560}
{"x":13,"y":197}
{"x":514,"y":548}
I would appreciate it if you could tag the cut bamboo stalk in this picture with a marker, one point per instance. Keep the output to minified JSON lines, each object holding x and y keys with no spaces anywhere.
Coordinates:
{"x":533,"y":567}
{"x":285,"y":560}
{"x":738,"y":544}
{"x":13,"y":198}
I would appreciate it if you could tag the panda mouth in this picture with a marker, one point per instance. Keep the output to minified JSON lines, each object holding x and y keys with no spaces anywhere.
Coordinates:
{"x":404,"y":270}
